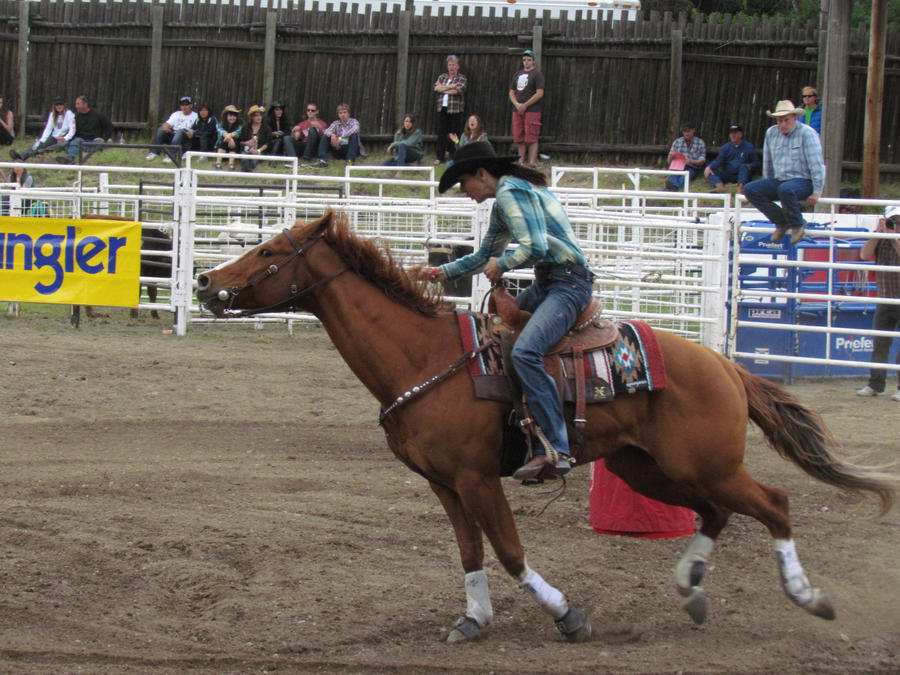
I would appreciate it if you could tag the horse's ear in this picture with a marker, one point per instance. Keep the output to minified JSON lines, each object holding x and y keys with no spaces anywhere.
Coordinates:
{"x":322,"y":223}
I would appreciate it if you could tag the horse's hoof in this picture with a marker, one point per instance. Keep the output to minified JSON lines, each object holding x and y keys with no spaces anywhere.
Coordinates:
{"x":464,"y":629}
{"x":696,"y":605}
{"x":820,"y":605}
{"x":575,"y":626}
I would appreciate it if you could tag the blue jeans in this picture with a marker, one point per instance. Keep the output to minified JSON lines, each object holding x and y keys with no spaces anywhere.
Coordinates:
{"x":678,"y":180}
{"x":350,"y":151}
{"x":722,"y":175}
{"x":404,"y":157}
{"x":556,"y":303}
{"x":887,"y":317}
{"x":763,"y":194}
{"x":172,"y":138}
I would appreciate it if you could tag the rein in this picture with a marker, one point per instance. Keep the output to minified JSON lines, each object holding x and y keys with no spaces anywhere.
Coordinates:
{"x":420,"y":389}
{"x":272,"y":270}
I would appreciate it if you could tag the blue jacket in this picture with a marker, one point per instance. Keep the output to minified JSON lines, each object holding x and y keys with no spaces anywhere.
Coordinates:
{"x":732,"y":157}
{"x":815,"y":119}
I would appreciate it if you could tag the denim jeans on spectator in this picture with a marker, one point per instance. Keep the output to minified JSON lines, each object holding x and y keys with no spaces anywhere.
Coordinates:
{"x":348,"y":151}
{"x":887,"y":317}
{"x":763,"y":194}
{"x":404,"y":157}
{"x":308,"y":148}
{"x":178,"y":138}
{"x":556,"y":303}
{"x":720,"y":175}
{"x":678,"y":180}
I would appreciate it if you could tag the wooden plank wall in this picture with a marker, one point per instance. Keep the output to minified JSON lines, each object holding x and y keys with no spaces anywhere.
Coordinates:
{"x":607,"y":82}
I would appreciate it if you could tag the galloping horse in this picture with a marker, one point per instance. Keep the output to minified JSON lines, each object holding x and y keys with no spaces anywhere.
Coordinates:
{"x":682,"y":445}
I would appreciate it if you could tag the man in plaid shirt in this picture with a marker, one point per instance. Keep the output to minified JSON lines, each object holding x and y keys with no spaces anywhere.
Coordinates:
{"x":694,"y":150}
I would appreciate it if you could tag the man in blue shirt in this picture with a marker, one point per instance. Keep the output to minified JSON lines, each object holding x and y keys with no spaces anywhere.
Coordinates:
{"x":526,"y":212}
{"x":793,"y":171}
{"x":737,"y":160}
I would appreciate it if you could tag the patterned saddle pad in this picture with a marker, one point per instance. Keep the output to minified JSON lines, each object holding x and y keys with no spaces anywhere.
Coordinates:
{"x":634,"y":362}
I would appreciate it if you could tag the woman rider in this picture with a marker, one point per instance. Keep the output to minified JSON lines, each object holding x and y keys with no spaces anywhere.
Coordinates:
{"x":526,"y":212}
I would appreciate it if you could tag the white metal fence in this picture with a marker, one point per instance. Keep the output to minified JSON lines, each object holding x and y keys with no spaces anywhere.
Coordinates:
{"x":662,"y":257}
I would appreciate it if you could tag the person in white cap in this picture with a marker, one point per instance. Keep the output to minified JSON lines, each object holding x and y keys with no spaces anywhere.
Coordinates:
{"x":793,"y":172}
{"x":887,"y":317}
{"x":174,"y":131}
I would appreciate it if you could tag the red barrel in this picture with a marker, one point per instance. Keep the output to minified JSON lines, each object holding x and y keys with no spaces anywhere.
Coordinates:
{"x":617,"y":509}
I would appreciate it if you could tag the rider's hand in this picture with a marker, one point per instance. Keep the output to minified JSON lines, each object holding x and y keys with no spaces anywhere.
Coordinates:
{"x":492,"y":271}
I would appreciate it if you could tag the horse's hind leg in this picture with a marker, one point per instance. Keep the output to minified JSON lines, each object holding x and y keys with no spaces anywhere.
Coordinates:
{"x":479,"y":611}
{"x":769,"y":505}
{"x":644,"y":475}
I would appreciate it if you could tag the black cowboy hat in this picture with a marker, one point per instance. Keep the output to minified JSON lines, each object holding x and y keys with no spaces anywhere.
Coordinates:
{"x":470,"y":158}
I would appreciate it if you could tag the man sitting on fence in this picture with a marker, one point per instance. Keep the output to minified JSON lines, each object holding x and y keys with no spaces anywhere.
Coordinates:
{"x":793,"y":171}
{"x":90,"y":125}
{"x":688,"y":153}
{"x":736,"y":162}
{"x":174,"y":131}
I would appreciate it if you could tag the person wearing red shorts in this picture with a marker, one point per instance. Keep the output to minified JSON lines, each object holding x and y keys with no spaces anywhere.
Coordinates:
{"x":525,"y":93}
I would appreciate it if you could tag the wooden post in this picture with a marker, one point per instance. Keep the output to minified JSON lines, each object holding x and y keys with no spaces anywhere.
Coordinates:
{"x":156,"y":28}
{"x":268,"y":92}
{"x":537,"y":44}
{"x":837,"y":62}
{"x":402,"y":65}
{"x":874,"y":101}
{"x":22,"y":95}
{"x":675,"y":84}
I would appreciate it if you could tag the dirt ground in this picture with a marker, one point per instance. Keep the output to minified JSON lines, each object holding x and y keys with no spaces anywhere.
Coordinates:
{"x":226,"y":503}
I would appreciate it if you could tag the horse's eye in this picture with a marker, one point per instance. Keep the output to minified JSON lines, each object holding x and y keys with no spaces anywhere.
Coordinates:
{"x":265,"y":253}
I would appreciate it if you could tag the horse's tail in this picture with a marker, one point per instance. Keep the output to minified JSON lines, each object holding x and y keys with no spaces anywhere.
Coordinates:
{"x":800,"y":435}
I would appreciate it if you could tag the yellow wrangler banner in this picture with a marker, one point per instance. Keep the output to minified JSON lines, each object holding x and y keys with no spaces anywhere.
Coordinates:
{"x":82,"y":262}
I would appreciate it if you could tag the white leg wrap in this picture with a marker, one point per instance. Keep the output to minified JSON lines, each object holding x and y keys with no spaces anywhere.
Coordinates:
{"x":794,"y":581}
{"x":478,"y":598}
{"x":551,"y":600}
{"x":698,"y":550}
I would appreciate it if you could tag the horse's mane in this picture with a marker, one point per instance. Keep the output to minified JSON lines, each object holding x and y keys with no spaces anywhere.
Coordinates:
{"x":376,"y":264}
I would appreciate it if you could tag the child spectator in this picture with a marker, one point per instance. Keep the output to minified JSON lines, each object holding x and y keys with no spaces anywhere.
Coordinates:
{"x":204,"y":133}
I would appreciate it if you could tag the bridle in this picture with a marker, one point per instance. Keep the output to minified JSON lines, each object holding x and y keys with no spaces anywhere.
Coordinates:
{"x":299,"y":251}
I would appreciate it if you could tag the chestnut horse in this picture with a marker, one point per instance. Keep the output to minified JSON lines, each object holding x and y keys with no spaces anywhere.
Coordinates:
{"x":683,"y":445}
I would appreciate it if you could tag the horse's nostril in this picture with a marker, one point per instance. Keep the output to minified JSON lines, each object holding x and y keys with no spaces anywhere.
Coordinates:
{"x":202,"y":282}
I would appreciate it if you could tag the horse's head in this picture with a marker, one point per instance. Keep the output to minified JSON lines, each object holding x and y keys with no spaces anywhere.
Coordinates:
{"x":273,"y":275}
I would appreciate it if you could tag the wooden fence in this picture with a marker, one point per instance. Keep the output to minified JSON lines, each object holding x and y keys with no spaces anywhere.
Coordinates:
{"x":610,"y":85}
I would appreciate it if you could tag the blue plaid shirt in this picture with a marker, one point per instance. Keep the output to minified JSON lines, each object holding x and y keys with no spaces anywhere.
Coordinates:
{"x":794,"y":155}
{"x":532,"y":217}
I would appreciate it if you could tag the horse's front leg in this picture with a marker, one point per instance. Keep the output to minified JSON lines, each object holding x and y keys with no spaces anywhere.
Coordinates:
{"x":484,"y":498}
{"x":479,"y":611}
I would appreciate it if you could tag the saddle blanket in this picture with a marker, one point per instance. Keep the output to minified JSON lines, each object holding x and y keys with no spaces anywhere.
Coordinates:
{"x":634,"y":362}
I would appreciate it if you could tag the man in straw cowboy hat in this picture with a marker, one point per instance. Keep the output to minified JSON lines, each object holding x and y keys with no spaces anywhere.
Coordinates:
{"x":526,"y":212}
{"x":793,"y":171}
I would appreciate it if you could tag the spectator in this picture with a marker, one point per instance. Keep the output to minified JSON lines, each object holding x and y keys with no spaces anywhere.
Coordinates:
{"x":307,"y":134}
{"x":204,"y":134}
{"x":812,"y":111}
{"x":280,"y":124}
{"x":472,"y":133}
{"x":525,"y":94}
{"x":887,"y":317}
{"x":736,"y":162}
{"x":526,"y":212}
{"x":407,"y":147}
{"x":90,"y":125}
{"x":7,"y":123}
{"x":688,"y":149}
{"x":58,"y":131}
{"x":175,"y":130}
{"x":341,"y":137}
{"x":229,"y":129}
{"x":451,"y":104}
{"x":792,"y":171}
{"x":255,"y":138}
